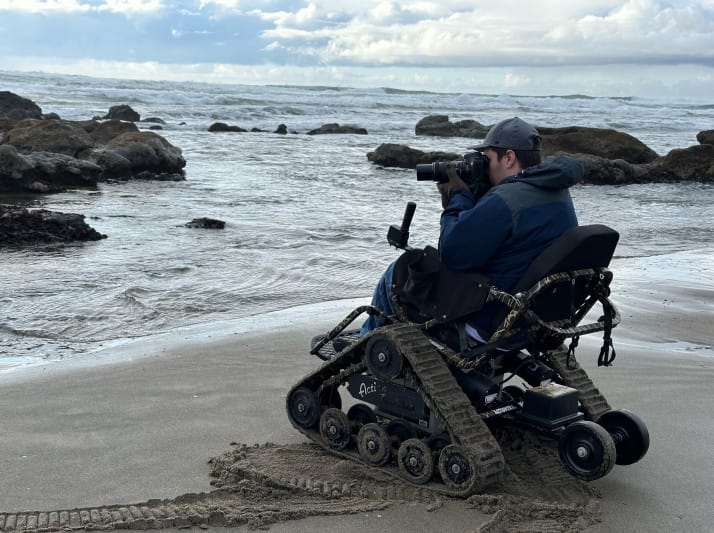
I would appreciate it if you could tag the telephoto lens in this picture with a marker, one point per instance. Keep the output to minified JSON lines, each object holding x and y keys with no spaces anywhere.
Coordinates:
{"x":435,"y":171}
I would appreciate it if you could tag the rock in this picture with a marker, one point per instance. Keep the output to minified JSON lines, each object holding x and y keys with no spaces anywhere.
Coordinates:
{"x":118,"y":148}
{"x":149,"y":153}
{"x":21,"y":226}
{"x":103,"y":132}
{"x":58,"y":136}
{"x":206,"y":223}
{"x":221,"y":126}
{"x":44,"y":172}
{"x":156,"y":127}
{"x":18,"y":108}
{"x":158,"y":176}
{"x":439,"y":126}
{"x":88,"y":125}
{"x":336,"y":128}
{"x":114,"y":165}
{"x":282,"y":129}
{"x":401,"y":156}
{"x":53,"y":154}
{"x":155,"y":120}
{"x":695,"y":163}
{"x":6,"y":124}
{"x":122,"y":112}
{"x":601,"y":171}
{"x":605,"y":143}
{"x":706,"y":137}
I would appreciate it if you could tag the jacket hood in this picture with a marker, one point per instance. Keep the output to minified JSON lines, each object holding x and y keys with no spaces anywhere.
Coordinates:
{"x":558,"y":173}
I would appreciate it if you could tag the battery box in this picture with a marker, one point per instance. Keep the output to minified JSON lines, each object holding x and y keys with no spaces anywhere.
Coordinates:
{"x":550,"y":406}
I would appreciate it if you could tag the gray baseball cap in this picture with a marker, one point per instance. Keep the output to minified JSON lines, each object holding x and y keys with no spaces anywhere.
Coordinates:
{"x":512,"y":134}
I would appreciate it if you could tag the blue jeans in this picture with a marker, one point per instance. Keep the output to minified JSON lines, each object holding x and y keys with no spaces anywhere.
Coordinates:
{"x":382,"y":300}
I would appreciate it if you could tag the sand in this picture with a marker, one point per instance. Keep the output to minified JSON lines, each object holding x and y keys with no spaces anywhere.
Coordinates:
{"x":189,"y":431}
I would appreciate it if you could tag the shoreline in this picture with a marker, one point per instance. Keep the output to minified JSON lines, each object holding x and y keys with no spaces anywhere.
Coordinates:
{"x":136,"y":348}
{"x":677,"y":286}
{"x":142,"y":421}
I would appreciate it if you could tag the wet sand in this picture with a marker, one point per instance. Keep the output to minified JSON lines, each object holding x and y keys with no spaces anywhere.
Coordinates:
{"x":183,"y":413}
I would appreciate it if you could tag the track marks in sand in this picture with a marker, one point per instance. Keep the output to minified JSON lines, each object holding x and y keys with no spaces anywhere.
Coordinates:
{"x":263,"y":485}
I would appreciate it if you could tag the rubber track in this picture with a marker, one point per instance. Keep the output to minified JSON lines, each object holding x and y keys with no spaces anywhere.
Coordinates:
{"x":440,"y":392}
{"x":217,"y":508}
{"x":148,"y":515}
{"x":592,"y":401}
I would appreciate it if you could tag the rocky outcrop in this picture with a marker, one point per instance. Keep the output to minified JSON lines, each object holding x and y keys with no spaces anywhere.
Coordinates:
{"x":336,"y":128}
{"x":51,"y":155}
{"x":706,"y":137}
{"x":16,"y":107}
{"x":602,"y":171}
{"x":22,"y":226}
{"x":606,"y":143}
{"x":44,"y":172}
{"x":695,"y":163}
{"x":150,"y":156}
{"x":206,"y":223}
{"x":103,"y":132}
{"x":122,"y":112}
{"x":440,"y":126}
{"x":222,"y":126}
{"x":57,"y":136}
{"x":401,"y":156}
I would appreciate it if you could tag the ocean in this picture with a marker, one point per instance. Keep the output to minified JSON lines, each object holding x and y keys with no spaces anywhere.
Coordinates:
{"x":306,"y":216}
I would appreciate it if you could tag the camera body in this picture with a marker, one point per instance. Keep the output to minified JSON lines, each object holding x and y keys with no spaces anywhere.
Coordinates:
{"x":473,"y":171}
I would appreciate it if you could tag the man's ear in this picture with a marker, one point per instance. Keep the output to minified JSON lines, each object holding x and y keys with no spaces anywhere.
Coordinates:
{"x":511,"y":158}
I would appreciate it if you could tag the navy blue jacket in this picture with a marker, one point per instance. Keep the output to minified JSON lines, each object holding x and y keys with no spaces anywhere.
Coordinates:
{"x":514,"y":222}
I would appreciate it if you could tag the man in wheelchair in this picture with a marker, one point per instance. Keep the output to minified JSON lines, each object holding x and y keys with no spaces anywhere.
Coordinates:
{"x":513,"y":278}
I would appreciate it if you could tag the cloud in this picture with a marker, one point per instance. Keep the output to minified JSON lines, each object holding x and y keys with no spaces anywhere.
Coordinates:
{"x":131,"y":6}
{"x":461,"y":34}
{"x":508,"y":45}
{"x":48,"y":7}
{"x":44,"y":6}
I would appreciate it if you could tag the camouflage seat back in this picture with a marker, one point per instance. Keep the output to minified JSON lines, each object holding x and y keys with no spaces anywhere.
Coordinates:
{"x":580,"y":248}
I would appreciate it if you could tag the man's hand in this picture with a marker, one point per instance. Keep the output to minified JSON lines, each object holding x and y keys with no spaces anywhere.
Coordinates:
{"x":450,"y":188}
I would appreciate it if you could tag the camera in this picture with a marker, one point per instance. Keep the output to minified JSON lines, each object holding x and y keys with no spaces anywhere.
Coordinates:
{"x":473,"y":171}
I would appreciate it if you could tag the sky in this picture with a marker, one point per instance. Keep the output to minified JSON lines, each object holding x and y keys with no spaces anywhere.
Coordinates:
{"x":644,"y":48}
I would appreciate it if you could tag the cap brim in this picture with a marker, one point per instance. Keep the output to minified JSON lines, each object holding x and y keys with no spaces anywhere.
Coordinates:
{"x":478,"y":147}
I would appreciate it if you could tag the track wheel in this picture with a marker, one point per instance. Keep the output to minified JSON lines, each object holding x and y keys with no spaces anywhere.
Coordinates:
{"x":304,"y":407}
{"x":416,"y":461}
{"x":587,"y":450}
{"x":383,"y":358}
{"x":359,"y":415}
{"x":630,"y":434}
{"x":373,"y":443}
{"x":456,"y":467}
{"x":335,"y":428}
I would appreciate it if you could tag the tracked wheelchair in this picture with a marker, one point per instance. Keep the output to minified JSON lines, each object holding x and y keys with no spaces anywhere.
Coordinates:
{"x":427,"y":393}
